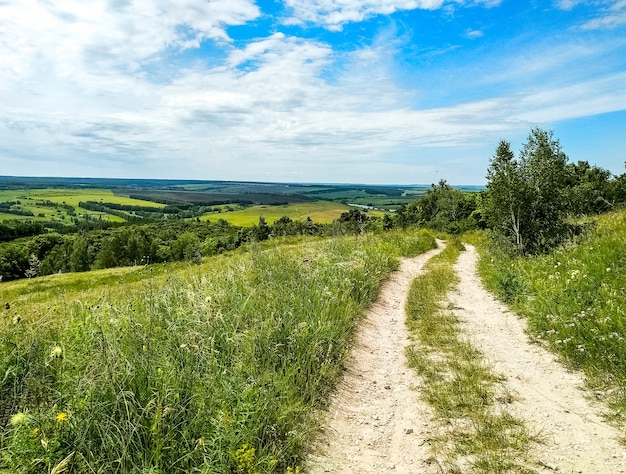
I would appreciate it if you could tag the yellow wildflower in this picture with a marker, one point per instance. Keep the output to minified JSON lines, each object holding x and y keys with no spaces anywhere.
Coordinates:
{"x":62,"y":417}
{"x":56,"y":352}
{"x":18,"y":419}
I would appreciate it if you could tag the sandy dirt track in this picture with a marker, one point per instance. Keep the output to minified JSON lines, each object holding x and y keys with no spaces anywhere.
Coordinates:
{"x":376,"y":422}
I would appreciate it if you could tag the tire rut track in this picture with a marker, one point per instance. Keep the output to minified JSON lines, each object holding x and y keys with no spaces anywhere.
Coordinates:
{"x":377,"y":422}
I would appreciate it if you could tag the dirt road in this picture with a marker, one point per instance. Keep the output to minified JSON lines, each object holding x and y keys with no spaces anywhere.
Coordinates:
{"x":376,"y":422}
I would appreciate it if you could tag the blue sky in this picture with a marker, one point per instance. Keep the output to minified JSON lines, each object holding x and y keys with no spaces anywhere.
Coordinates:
{"x":368,"y":91}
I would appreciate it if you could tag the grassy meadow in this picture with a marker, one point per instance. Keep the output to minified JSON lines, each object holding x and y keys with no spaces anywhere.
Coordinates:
{"x":322,"y":212}
{"x":574,"y":300}
{"x":29,"y":198}
{"x":211,"y":368}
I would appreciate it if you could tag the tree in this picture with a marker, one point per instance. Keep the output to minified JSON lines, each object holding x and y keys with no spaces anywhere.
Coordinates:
{"x":590,"y":189}
{"x":187,"y":247}
{"x":526,"y":199}
{"x":262,"y":231}
{"x":442,"y":208}
{"x":354,"y":219}
{"x":506,"y":194}
{"x":79,"y":259}
{"x":106,"y":257}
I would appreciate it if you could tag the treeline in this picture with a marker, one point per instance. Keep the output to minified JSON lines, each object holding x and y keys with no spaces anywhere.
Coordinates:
{"x":135,"y":244}
{"x":69,"y":209}
{"x":16,"y":229}
{"x":135,"y":213}
{"x":529,"y":201}
{"x":13,"y":207}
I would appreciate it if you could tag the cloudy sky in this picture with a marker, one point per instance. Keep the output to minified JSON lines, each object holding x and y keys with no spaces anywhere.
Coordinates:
{"x":369,"y":91}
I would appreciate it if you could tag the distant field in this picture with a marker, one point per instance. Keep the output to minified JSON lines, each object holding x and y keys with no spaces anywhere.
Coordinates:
{"x":322,"y":212}
{"x":28,"y":199}
{"x":323,"y":203}
{"x":215,"y":198}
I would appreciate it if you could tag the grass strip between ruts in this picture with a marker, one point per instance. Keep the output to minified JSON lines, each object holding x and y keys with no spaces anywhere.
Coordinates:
{"x":475,"y":433}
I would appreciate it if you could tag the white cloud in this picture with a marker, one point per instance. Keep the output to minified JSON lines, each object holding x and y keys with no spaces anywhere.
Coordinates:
{"x":333,"y":14}
{"x":606,"y":14}
{"x":474,"y":34}
{"x":70,"y":37}
{"x":607,"y":21}
{"x":568,"y":4}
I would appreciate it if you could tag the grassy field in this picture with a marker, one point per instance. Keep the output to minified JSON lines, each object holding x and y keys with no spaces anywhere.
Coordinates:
{"x":574,"y":300}
{"x":322,"y":212}
{"x":28,"y":199}
{"x":211,"y":368}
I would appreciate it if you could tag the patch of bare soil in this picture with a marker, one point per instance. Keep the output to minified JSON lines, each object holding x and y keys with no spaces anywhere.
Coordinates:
{"x":376,"y":422}
{"x":547,"y":396}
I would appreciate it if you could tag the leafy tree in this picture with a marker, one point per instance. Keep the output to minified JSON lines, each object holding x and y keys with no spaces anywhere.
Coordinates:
{"x":506,"y":195}
{"x":106,"y":257}
{"x":387,"y":223}
{"x":526,"y":200}
{"x":79,"y":259}
{"x":442,"y":207}
{"x":262,"y":231}
{"x":354,"y":219}
{"x":187,"y":247}
{"x":282,"y":226}
{"x":13,"y":261}
{"x":591,"y":190}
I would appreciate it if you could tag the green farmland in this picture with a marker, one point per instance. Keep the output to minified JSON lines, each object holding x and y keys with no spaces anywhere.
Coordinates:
{"x":323,"y":212}
{"x":41,"y":203}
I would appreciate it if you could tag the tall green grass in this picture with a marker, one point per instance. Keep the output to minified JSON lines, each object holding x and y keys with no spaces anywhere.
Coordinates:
{"x":216,"y":368}
{"x":476,"y":433}
{"x":574,"y":300}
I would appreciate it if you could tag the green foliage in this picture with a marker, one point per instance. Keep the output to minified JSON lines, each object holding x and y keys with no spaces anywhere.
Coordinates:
{"x":526,"y":200}
{"x":354,"y":220}
{"x":123,"y":246}
{"x":441,"y":208}
{"x":529,"y":199}
{"x":574,"y":299}
{"x":212,"y":368}
{"x":186,"y":247}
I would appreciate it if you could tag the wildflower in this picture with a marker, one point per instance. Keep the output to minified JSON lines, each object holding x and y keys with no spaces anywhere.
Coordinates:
{"x":56,"y":352}
{"x":62,"y":417}
{"x":18,"y":419}
{"x":35,"y":432}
